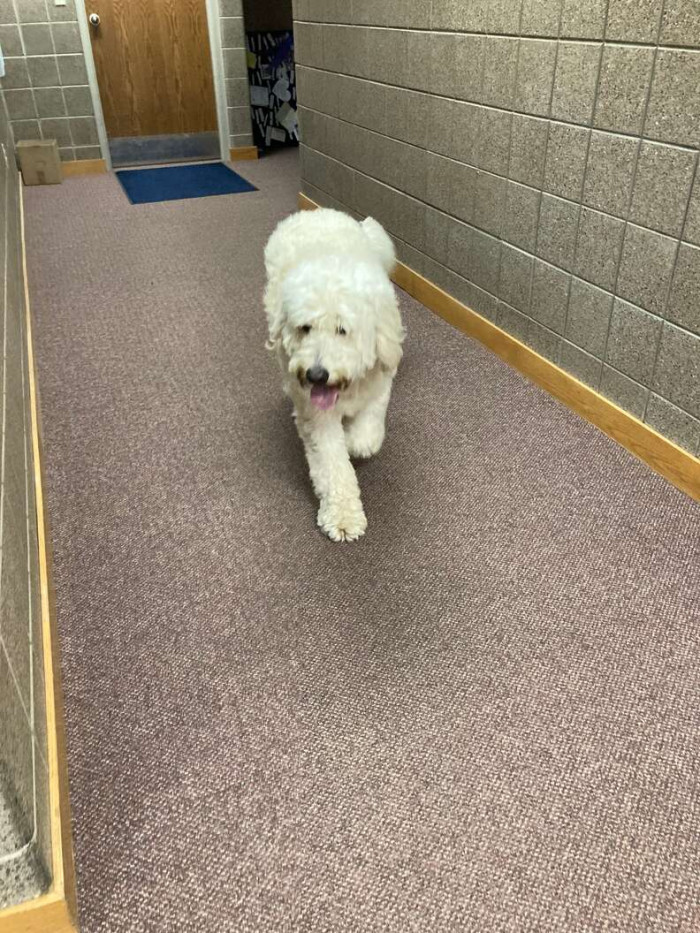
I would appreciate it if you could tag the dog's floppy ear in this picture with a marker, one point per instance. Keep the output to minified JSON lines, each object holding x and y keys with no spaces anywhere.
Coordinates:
{"x":390,"y":333}
{"x":275,"y":317}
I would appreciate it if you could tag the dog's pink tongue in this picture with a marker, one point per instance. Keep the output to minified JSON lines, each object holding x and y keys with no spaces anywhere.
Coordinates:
{"x":324,"y":397}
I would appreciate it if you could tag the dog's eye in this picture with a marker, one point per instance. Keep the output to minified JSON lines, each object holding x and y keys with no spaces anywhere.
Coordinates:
{"x":341,"y":331}
{"x":305,"y":329}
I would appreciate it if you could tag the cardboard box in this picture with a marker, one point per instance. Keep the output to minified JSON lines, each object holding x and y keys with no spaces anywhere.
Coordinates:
{"x":39,"y":161}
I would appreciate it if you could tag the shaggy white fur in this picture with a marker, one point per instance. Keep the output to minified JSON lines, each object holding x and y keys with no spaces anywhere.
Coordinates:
{"x":334,"y":323}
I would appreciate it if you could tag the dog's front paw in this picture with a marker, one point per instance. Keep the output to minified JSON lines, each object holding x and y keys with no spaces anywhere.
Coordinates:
{"x":342,"y":521}
{"x":364,"y":439}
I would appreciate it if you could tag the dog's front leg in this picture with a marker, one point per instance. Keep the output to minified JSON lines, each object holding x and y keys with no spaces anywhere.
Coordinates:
{"x":340,"y":514}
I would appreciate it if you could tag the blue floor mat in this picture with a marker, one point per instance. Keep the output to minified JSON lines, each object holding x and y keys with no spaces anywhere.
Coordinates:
{"x":177,"y":182}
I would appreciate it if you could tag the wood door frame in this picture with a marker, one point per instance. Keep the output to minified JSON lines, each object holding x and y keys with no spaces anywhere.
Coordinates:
{"x":217,"y":67}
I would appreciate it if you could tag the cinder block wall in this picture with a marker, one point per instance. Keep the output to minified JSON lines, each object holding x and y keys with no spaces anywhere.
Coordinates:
{"x":46,"y":85}
{"x":535,"y":158}
{"x":25,"y":843}
{"x":236,"y":73}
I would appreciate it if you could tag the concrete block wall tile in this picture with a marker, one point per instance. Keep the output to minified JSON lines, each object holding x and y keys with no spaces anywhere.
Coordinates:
{"x":482,"y":302}
{"x":440,"y":182}
{"x":381,"y":53}
{"x":575,"y":81}
{"x":684,"y":300}
{"x":673,"y":114}
{"x":60,"y":130}
{"x":458,"y":16}
{"x":232,"y":32}
{"x":460,"y":252}
{"x":550,"y":295}
{"x":576,"y":361}
{"x":406,"y":115}
{"x":37,"y":39}
{"x":633,"y":20}
{"x":413,"y":15}
{"x":66,"y":38}
{"x":31,"y":11}
{"x":520,"y":217}
{"x":492,"y":140}
{"x":541,"y":17}
{"x":565,"y":162}
{"x":535,"y":76}
{"x":588,"y":317}
{"x":623,"y":87}
{"x":512,"y":321}
{"x":50,"y":102}
{"x":527,"y":150}
{"x":515,"y":278}
{"x":362,"y":103}
{"x":543,"y":341}
{"x":610,"y":172}
{"x":72,"y":70}
{"x":673,"y":423}
{"x":443,"y":116}
{"x":677,"y":372}
{"x":662,"y":187}
{"x":646,"y":267}
{"x":633,"y":341}
{"x":680,"y":23}
{"x":489,"y":202}
{"x":502,"y":17}
{"x":437,"y":234}
{"x":15,"y":742}
{"x":691,"y":231}
{"x":420,"y":46}
{"x":468,"y":65}
{"x":308,"y":44}
{"x":21,"y":104}
{"x":61,"y":14}
{"x":624,"y":391}
{"x":10,"y":40}
{"x":598,"y":248}
{"x":465,"y":139}
{"x":464,"y":192}
{"x":499,"y":71}
{"x":14,"y":595}
{"x":556,"y":234}
{"x":8,"y":14}
{"x":441,"y":77}
{"x":485,"y":261}
{"x":583,"y":20}
{"x":43,"y":70}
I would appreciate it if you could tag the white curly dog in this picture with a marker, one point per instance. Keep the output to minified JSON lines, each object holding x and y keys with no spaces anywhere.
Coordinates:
{"x":335,"y":325}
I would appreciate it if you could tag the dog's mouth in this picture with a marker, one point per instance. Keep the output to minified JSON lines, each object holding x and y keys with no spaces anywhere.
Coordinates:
{"x":325,"y":396}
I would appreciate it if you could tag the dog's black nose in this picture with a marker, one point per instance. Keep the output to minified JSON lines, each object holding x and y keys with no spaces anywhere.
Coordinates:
{"x":317,"y":375}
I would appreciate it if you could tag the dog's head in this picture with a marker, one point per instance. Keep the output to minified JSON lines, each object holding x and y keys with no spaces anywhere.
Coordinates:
{"x":339,"y":319}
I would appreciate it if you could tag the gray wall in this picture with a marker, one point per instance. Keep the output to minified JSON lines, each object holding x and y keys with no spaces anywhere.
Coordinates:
{"x":236,"y":73}
{"x":536,"y":159}
{"x":46,"y":85}
{"x":23,"y":767}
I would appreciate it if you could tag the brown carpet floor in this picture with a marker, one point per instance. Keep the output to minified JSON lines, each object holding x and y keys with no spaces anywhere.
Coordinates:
{"x":482,"y":717}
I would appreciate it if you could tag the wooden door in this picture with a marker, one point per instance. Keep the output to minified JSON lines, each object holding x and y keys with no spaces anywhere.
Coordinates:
{"x":153,"y":66}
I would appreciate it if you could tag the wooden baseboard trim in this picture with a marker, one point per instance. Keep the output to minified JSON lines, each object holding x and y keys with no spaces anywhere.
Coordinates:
{"x":663,"y":456}
{"x":84,"y":167}
{"x":55,"y":911}
{"x":243,"y":153}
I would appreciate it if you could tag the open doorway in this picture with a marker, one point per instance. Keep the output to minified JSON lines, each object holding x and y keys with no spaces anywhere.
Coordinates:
{"x":271,"y":73}
{"x":154,"y":71}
